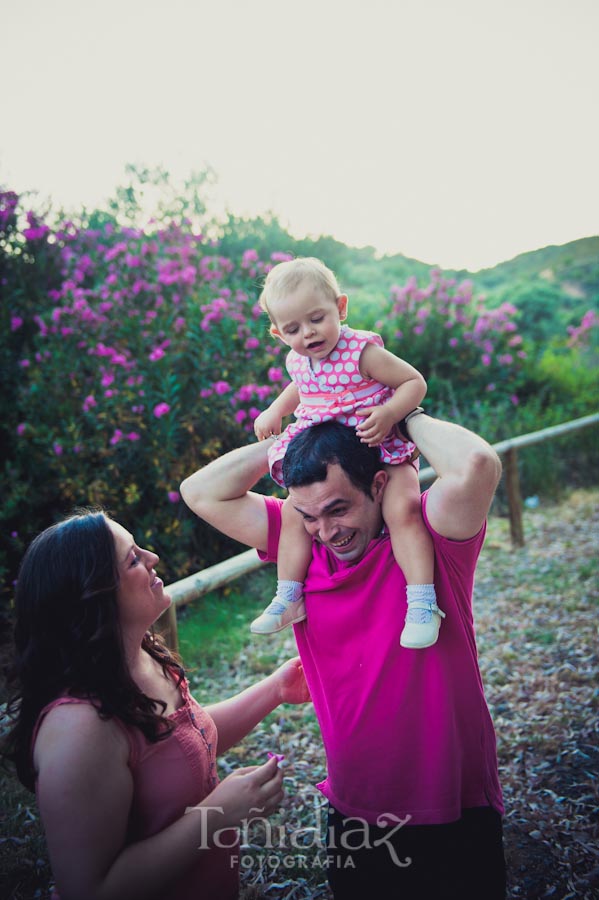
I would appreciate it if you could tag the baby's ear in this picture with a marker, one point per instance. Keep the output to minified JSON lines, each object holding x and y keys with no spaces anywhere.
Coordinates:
{"x":276,"y":333}
{"x":342,"y":302}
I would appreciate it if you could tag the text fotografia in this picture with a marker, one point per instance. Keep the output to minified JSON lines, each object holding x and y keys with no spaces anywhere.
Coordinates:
{"x":356,"y":836}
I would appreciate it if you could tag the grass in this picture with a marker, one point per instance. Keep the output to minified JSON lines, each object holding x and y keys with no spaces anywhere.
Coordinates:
{"x":216,"y":627}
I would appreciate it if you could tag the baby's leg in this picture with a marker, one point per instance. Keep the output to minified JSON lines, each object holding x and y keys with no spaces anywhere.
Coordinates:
{"x":295,"y":552}
{"x":414,"y":553}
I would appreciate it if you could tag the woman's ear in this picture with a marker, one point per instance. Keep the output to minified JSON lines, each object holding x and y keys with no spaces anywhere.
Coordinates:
{"x":342,"y":302}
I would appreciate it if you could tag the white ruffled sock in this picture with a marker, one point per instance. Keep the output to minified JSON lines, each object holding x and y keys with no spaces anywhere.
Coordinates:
{"x":290,"y":591}
{"x":424,"y":593}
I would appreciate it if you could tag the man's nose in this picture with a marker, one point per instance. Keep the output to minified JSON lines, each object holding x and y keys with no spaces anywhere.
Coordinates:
{"x":325,"y":530}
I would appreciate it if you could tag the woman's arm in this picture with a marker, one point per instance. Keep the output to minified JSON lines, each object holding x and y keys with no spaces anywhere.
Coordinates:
{"x":237,"y":716}
{"x":85,"y":791}
{"x":409,"y":390}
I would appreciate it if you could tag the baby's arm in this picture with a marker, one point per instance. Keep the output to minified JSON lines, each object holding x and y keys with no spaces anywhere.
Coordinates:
{"x":409,"y":386}
{"x":270,"y":421}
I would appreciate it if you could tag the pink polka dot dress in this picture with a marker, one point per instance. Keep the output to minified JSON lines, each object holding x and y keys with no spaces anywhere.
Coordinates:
{"x":333,"y":388}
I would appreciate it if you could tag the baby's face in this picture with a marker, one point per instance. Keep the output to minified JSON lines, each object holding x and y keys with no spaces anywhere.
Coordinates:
{"x":309,"y":321}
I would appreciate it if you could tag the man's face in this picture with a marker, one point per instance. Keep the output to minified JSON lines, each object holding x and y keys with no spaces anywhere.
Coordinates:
{"x":338,"y":514}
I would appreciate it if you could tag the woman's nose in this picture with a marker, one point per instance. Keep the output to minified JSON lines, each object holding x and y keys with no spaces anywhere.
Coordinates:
{"x":151,"y":559}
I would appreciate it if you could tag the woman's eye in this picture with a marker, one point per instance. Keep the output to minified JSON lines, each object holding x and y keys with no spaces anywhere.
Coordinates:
{"x":135,"y":560}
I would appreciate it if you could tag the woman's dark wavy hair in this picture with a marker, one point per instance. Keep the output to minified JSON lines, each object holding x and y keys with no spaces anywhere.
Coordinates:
{"x":311,"y":452}
{"x":68,"y":637}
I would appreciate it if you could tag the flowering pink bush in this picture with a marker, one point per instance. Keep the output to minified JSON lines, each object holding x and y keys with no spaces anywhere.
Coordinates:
{"x":142,"y":356}
{"x":464,"y":349}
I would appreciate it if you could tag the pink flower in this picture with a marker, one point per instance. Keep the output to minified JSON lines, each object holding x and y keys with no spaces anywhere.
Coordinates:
{"x":453,"y":342}
{"x":21,"y":427}
{"x":57,"y":448}
{"x":252,"y":343}
{"x":157,"y":353}
{"x":161,"y":409}
{"x":275,"y":374}
{"x":174,"y":496}
{"x":89,"y":401}
{"x":116,"y":436}
{"x":24,"y":363}
{"x":418,"y":329}
{"x":248,"y":258}
{"x":221,"y":387}
{"x":240,"y":415}
{"x":485,"y":359}
{"x":133,"y":436}
{"x":206,"y":392}
{"x":515,"y":399}
{"x":15,"y":323}
{"x":107,"y":378}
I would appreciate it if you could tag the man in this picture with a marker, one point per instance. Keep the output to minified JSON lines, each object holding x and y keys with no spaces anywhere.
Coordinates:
{"x":415,"y":802}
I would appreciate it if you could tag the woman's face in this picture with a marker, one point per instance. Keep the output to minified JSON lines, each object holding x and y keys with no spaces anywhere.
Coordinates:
{"x":140,"y":594}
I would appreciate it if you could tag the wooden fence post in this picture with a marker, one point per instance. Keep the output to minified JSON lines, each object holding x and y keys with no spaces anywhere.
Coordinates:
{"x":512,"y":483}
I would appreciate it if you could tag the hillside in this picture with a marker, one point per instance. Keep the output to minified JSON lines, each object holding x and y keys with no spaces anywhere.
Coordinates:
{"x":552,"y":287}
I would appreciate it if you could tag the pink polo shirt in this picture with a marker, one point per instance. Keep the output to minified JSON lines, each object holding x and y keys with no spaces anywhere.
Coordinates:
{"x":406,"y":732}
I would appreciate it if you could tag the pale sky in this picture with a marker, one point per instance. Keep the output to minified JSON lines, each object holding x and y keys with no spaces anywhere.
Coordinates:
{"x":458,"y":132}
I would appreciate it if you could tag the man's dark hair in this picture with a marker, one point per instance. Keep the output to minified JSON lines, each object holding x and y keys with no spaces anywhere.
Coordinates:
{"x":311,"y":452}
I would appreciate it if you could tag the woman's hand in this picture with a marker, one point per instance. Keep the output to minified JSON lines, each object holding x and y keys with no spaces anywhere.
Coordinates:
{"x":292,"y":682}
{"x":248,"y":792}
{"x":267,"y":424}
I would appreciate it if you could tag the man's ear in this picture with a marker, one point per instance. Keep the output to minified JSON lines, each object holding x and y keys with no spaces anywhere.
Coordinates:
{"x":342,"y":302}
{"x":379,"y":483}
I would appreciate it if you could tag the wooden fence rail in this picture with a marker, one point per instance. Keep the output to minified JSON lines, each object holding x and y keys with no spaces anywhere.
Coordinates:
{"x":195,"y":586}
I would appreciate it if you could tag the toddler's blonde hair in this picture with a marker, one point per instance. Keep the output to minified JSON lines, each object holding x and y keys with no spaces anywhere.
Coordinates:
{"x":286,"y":277}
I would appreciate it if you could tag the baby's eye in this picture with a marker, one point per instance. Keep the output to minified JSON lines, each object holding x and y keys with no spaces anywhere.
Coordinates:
{"x":292,"y":330}
{"x":317,"y":318}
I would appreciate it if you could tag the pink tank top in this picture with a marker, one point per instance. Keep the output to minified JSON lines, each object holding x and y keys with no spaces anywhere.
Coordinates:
{"x":169,"y":776}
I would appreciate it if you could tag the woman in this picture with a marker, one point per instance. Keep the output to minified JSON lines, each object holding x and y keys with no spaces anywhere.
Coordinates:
{"x":121,"y":757}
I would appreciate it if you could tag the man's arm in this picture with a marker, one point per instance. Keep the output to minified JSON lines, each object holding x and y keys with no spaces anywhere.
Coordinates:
{"x":221,"y":494}
{"x":469,"y":471}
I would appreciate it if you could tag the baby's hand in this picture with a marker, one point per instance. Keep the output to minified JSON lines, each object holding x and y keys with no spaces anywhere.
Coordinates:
{"x":376,"y":425}
{"x":267,"y":424}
